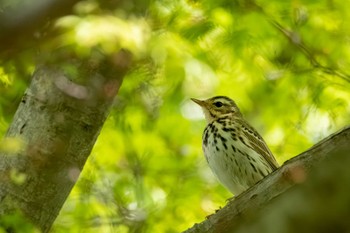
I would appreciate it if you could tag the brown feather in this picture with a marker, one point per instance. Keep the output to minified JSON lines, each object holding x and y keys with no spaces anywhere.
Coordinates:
{"x":257,"y":143}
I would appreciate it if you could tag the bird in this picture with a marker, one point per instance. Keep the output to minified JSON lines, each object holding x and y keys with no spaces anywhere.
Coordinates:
{"x":236,"y":153}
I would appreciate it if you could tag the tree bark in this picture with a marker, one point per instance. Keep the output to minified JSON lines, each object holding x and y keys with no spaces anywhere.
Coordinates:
{"x":309,"y":193}
{"x":58,"y":122}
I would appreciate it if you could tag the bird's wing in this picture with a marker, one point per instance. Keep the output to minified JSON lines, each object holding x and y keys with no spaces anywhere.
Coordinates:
{"x":257,"y":143}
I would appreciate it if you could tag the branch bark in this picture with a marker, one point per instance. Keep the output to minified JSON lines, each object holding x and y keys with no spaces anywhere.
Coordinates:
{"x":294,"y":197}
{"x":19,"y":24}
{"x":58,"y":121}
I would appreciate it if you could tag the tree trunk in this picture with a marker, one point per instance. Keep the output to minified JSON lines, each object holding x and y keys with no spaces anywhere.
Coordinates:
{"x":309,"y":193}
{"x":58,"y":122}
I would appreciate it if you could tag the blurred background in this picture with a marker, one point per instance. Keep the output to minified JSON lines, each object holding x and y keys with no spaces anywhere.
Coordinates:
{"x":285,"y":63}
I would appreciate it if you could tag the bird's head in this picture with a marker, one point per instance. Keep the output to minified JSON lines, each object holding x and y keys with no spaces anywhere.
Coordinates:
{"x":218,"y":106}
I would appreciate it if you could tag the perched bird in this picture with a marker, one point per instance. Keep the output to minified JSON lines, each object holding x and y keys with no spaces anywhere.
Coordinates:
{"x":234,"y":150}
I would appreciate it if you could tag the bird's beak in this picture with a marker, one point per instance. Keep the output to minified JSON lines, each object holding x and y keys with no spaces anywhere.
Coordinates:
{"x":199,"y":102}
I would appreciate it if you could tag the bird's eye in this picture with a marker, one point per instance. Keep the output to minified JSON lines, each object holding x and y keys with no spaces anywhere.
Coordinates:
{"x":218,"y":104}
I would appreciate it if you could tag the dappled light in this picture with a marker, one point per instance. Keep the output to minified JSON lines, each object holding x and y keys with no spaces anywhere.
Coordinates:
{"x":285,"y":64}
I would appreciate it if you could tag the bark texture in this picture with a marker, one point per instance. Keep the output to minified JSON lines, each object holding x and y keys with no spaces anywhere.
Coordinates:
{"x":58,"y":122}
{"x":309,"y":193}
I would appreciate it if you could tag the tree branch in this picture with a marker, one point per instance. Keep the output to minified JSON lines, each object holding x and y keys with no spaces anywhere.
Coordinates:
{"x":19,"y":24}
{"x":296,"y":40}
{"x":278,"y":185}
{"x":58,"y":122}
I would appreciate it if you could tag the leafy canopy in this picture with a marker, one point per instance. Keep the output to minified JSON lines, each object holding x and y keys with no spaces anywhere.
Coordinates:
{"x":285,"y":63}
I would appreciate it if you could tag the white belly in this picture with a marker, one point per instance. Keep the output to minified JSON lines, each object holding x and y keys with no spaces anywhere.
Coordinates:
{"x":236,"y":166}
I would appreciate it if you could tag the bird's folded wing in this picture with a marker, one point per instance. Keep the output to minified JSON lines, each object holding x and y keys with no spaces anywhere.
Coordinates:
{"x":258,"y":144}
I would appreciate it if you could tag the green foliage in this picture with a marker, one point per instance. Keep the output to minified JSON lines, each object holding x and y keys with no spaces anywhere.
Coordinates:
{"x":285,"y":63}
{"x":16,"y":222}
